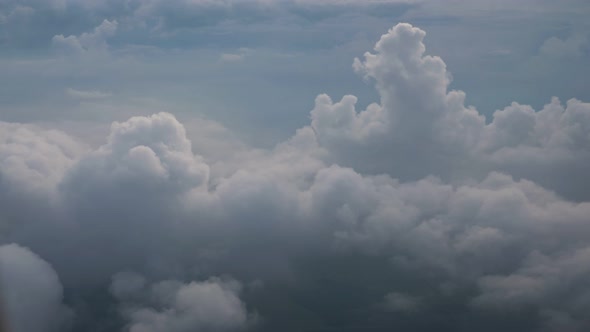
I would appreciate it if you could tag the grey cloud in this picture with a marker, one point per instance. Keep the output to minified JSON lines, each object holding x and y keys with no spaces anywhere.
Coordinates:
{"x":155,"y":148}
{"x":551,"y":283}
{"x":211,"y":305}
{"x":87,"y":94}
{"x":148,"y":155}
{"x":230,"y":57}
{"x":127,"y":285}
{"x":401,"y":302}
{"x":34,"y":157}
{"x":32,"y":162}
{"x":573,"y":46}
{"x":462,"y":232}
{"x":31,"y":292}
{"x":416,"y":202}
{"x":321,"y":10}
{"x":31,"y":24}
{"x":88,"y":41}
{"x":416,"y":119}
{"x":429,"y":130}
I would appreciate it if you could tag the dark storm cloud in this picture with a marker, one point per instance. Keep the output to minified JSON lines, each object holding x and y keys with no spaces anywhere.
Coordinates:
{"x":415,"y":213}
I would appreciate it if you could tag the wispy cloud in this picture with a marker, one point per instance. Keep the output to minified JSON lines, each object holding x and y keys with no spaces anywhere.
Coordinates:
{"x":87,"y":94}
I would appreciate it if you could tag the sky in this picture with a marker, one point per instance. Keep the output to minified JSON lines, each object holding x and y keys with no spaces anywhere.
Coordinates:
{"x":294,"y":165}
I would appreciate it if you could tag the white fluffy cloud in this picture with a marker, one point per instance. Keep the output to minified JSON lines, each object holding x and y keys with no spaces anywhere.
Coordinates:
{"x":145,"y":151}
{"x":427,"y":129}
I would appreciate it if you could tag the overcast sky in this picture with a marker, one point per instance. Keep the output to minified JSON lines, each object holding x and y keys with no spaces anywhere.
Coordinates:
{"x":296,"y":165}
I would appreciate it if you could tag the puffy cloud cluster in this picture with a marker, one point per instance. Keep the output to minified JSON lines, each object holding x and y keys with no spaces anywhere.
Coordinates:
{"x":35,"y":159}
{"x":211,"y":305}
{"x":428,"y":130}
{"x":32,"y":163}
{"x":143,"y":151}
{"x":415,"y":213}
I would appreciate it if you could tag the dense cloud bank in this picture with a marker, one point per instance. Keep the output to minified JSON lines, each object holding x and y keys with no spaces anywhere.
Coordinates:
{"x":416,"y":214}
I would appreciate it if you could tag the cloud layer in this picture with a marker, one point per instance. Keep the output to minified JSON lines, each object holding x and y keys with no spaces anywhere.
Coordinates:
{"x":415,"y":213}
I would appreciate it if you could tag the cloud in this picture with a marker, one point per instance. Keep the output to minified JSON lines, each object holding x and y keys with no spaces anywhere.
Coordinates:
{"x":229,"y":57}
{"x":416,"y":203}
{"x":235,"y":57}
{"x":34,"y":23}
{"x":401,"y":302}
{"x":31,"y":291}
{"x":573,"y":46}
{"x":32,"y":163}
{"x":90,"y":94}
{"x":429,"y":130}
{"x":88,"y":41}
{"x":154,"y":149}
{"x":211,"y":305}
{"x":148,"y":155}
{"x":35,"y":158}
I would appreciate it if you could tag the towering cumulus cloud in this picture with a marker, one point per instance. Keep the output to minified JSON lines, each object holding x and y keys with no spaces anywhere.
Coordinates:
{"x":415,"y":214}
{"x":420,"y":128}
